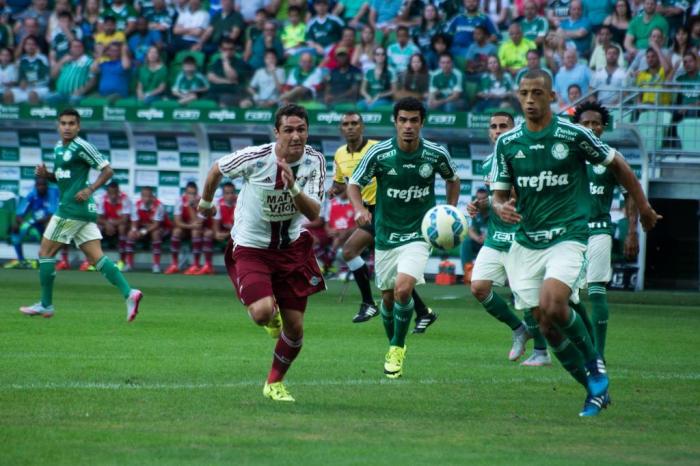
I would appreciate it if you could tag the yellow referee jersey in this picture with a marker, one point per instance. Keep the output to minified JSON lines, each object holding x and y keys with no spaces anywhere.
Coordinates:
{"x":345,"y":163}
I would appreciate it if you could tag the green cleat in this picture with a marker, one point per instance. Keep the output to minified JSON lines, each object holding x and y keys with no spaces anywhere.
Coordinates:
{"x":13,"y":264}
{"x":393,"y":362}
{"x":277,"y":392}
{"x":274,"y":326}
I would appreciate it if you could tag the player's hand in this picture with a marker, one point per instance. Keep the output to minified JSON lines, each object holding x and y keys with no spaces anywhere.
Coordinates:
{"x":631,"y":246}
{"x":83,"y":195}
{"x":41,"y":171}
{"x":472,"y":209}
{"x":649,"y":217}
{"x":287,"y":175}
{"x":333,"y":191}
{"x":206,"y":213}
{"x":363,"y":217}
{"x":508,"y":213}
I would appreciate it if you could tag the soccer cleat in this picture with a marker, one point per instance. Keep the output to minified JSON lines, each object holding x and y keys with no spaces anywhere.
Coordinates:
{"x":205,"y":270}
{"x":62,"y":265}
{"x":595,"y":404}
{"x":598,"y":382}
{"x":192,"y":270}
{"x":37,"y":309}
{"x":425,"y":321}
{"x":366,"y":312}
{"x":538,"y":359}
{"x":132,"y":304}
{"x":126,"y":267}
{"x":155,"y":268}
{"x":173,"y":268}
{"x":120,"y":265}
{"x":276,"y":391}
{"x":13,"y":264}
{"x":274,"y":326}
{"x":520,"y":338}
{"x":393,"y":362}
{"x":84,"y":266}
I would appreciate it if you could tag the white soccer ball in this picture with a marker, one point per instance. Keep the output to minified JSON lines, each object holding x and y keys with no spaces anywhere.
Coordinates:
{"x":444,"y":227}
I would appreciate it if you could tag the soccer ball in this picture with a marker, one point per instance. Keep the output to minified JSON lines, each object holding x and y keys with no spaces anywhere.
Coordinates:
{"x":444,"y":227}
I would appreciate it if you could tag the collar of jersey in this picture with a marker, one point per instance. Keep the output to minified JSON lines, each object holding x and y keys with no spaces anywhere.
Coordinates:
{"x":540,"y":134}
{"x":408,"y":155}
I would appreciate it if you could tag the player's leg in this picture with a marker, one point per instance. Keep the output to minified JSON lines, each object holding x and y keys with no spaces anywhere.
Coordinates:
{"x":360,"y":239}
{"x":540,"y":355}
{"x":122,"y":231}
{"x":208,"y":251}
{"x":288,"y":347}
{"x":598,"y":275}
{"x":196,"y":239}
{"x":403,"y":307}
{"x":129,"y":248}
{"x":175,"y":242}
{"x":156,"y":244}
{"x":425,"y":317}
{"x":568,"y":355}
{"x":17,"y":239}
{"x":64,"y":263}
{"x":47,"y":275}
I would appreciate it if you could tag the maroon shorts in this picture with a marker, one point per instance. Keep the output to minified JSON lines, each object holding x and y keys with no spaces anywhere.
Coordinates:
{"x":290,"y":275}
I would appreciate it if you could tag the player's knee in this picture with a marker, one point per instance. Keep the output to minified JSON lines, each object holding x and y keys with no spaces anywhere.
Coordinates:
{"x":262,"y":311}
{"x":480,"y":289}
{"x":177,"y":232}
{"x":402,"y":292}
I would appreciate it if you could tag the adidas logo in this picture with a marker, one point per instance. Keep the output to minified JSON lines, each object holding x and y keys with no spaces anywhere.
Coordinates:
{"x":392,"y":172}
{"x":520,"y":155}
{"x":267,"y":180}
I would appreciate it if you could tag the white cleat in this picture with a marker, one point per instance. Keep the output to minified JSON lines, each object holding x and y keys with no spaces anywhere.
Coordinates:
{"x":538,"y":359}
{"x":132,"y":304}
{"x":37,"y":309}
{"x":155,"y":268}
{"x":520,"y":338}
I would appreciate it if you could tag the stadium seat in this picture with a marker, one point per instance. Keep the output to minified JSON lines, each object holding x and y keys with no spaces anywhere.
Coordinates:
{"x":202,"y":104}
{"x":166,"y":104}
{"x":652,"y":126}
{"x":94,"y":101}
{"x":689,"y":134}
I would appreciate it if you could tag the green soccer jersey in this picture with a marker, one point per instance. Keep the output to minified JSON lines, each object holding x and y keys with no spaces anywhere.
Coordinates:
{"x":602,"y":183}
{"x":538,"y":27}
{"x":405,"y":187}
{"x":548,"y":171}
{"x":71,"y":167}
{"x":123,"y":15}
{"x":34,"y":70}
{"x":183,"y":83}
{"x":500,"y":234}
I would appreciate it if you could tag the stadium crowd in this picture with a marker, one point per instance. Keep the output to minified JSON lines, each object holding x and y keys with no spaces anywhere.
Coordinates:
{"x":452,"y":54}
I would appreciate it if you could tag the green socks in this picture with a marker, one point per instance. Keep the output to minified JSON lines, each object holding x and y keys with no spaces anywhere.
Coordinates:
{"x":498,"y":308}
{"x":402,"y":321}
{"x":583,"y":314}
{"x":533,"y":329}
{"x":47,"y":274}
{"x":113,"y":275}
{"x":577,"y":332}
{"x":571,"y":359}
{"x":599,"y":303}
{"x":387,"y":320}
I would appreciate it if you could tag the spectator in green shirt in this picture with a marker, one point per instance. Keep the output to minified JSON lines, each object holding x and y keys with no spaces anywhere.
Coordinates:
{"x":534,"y":26}
{"x":378,"y":84}
{"x":226,"y":22}
{"x":74,"y":79}
{"x":228,"y":76}
{"x":640,"y":28}
{"x":690,"y":92}
{"x":153,"y":78}
{"x":190,"y":83}
{"x":353,"y":12}
{"x":496,"y":87}
{"x":446,"y":87}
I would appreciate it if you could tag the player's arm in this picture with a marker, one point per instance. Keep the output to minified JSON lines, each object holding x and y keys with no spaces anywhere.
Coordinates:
{"x":626,"y":177}
{"x":206,"y":205}
{"x":338,"y":187}
{"x":452,"y":191}
{"x":105,"y":175}
{"x":42,"y":172}
{"x":361,"y":177}
{"x":504,"y":206}
{"x":448,"y":172}
{"x":307,"y":205}
{"x":632,"y":239}
{"x":157,"y":220}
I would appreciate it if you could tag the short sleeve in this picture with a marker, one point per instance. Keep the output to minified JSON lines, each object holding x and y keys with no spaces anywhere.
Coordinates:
{"x":135,"y":214}
{"x":178,"y":207}
{"x":92,"y":156}
{"x":446,"y":167}
{"x":365,"y":170}
{"x":126,"y":206}
{"x":338,"y":175}
{"x":159,"y":214}
{"x":594,"y":150}
{"x":501,"y":177}
{"x":316,"y":181}
{"x":237,"y":163}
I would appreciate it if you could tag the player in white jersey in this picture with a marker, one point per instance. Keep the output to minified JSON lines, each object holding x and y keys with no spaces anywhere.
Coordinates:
{"x":270,"y":259}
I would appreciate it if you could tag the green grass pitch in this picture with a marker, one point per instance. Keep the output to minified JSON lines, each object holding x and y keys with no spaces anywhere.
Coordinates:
{"x":183,"y":383}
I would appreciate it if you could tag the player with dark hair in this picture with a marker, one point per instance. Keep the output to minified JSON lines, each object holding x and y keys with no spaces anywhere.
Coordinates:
{"x":602,"y":182}
{"x":76,"y":215}
{"x":490,"y":264}
{"x":544,"y":159}
{"x":147,"y":218}
{"x":346,"y":159}
{"x":404,"y":167}
{"x":270,"y":259}
{"x":187,"y":225}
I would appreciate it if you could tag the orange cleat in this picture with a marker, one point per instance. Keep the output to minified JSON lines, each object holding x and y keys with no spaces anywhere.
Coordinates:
{"x":85,"y":266}
{"x":173,"y":268}
{"x":62,"y":265}
{"x":192,"y":270}
{"x":207,"y":269}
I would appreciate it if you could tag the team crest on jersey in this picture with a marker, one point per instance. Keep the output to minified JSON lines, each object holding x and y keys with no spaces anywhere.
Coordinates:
{"x":560,"y":151}
{"x":315,"y":280}
{"x":67,"y":155}
{"x":425,"y":170}
{"x":259,"y":164}
{"x":599,"y":169}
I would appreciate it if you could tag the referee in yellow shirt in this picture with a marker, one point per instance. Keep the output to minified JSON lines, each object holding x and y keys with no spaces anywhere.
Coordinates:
{"x":347,"y":157}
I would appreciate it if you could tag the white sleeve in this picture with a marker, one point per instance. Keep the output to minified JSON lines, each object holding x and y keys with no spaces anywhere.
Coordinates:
{"x":314,"y":186}
{"x":160,"y":213}
{"x":237,"y":163}
{"x":127,"y":206}
{"x":178,"y":207}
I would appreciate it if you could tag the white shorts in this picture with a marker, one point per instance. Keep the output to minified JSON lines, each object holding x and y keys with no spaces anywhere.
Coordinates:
{"x":490,"y":265}
{"x":599,"y":254}
{"x":20,"y":95}
{"x":529,"y":268}
{"x":410,"y":258}
{"x":65,"y":230}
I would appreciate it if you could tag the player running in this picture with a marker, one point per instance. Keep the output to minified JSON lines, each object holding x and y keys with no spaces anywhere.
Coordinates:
{"x":76,"y":215}
{"x":404,"y":167}
{"x":147,"y":219}
{"x":490,"y":266}
{"x":346,"y":159}
{"x":544,"y":159}
{"x":602,"y":181}
{"x":270,"y":259}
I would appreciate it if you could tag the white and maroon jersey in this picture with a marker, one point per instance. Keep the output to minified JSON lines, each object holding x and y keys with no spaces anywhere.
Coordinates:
{"x":225,"y":213}
{"x":184,"y":209}
{"x":114,"y":210}
{"x":265,"y":215}
{"x":341,"y":215}
{"x":146,"y":214}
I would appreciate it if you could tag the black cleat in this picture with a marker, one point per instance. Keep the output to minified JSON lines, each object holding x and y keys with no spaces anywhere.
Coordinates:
{"x":425,"y":321}
{"x":366,"y":312}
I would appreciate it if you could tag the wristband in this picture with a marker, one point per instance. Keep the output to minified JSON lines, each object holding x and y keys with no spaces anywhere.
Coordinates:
{"x":295,"y":190}
{"x":205,"y":204}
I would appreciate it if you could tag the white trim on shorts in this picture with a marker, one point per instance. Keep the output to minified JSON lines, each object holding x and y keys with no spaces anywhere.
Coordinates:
{"x":599,"y":254}
{"x":65,"y":230}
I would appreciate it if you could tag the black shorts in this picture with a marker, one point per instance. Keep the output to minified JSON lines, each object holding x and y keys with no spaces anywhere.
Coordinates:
{"x":369,"y":228}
